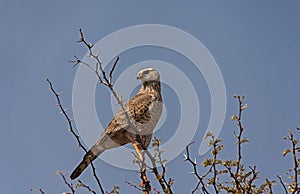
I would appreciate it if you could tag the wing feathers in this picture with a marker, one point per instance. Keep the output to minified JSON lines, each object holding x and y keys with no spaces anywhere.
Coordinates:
{"x":137,"y":109}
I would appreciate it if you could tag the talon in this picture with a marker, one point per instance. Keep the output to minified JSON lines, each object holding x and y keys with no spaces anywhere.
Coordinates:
{"x":142,"y":184}
{"x":145,"y":184}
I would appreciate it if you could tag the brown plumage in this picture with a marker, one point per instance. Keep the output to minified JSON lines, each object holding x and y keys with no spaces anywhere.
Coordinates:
{"x":144,"y":110}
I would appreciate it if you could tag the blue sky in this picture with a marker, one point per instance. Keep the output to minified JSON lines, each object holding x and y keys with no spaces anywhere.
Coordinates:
{"x":255,"y":43}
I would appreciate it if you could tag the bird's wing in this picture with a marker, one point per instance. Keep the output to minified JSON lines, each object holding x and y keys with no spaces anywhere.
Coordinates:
{"x":137,"y":108}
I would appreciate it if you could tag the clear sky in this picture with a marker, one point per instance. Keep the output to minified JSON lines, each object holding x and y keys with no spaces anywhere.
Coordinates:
{"x":255,"y":43}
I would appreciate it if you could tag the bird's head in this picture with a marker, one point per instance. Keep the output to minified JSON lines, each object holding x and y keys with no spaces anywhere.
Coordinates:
{"x":148,"y":74}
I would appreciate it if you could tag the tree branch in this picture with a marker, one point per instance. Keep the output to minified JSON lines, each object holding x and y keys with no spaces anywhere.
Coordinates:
{"x":269,"y":186}
{"x":38,"y":190}
{"x":77,"y":137}
{"x":70,"y":185}
{"x":81,"y":184}
{"x":133,"y":185}
{"x":282,"y":184}
{"x":195,"y":172}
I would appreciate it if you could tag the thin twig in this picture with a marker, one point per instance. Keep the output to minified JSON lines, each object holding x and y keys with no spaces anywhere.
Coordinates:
{"x":70,"y":185}
{"x":157,"y":191}
{"x":282,"y":184}
{"x":96,"y":177}
{"x":294,"y":144}
{"x":38,"y":190}
{"x":155,"y":171}
{"x":236,"y":181}
{"x":241,"y":129}
{"x":195,"y":172}
{"x":269,"y":186}
{"x":81,"y":39}
{"x":133,"y":185}
{"x":69,"y":120}
{"x":161,"y":162}
{"x":254,"y":176}
{"x":114,"y":190}
{"x":112,"y":69}
{"x":81,"y":184}
{"x":239,"y":144}
{"x":63,"y":111}
{"x":214,"y":164}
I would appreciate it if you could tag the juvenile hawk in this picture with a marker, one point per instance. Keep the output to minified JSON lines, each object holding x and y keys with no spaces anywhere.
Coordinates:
{"x":144,"y":110}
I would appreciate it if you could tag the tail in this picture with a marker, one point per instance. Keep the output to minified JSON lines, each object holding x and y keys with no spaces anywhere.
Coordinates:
{"x":87,"y":159}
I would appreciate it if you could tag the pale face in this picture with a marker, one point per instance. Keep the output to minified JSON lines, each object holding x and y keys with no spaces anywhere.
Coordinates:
{"x":148,"y":74}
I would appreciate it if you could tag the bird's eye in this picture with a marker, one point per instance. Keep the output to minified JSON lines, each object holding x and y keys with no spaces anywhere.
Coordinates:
{"x":146,"y":72}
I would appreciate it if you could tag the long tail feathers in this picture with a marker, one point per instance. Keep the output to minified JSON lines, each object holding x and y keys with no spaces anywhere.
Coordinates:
{"x":87,"y":159}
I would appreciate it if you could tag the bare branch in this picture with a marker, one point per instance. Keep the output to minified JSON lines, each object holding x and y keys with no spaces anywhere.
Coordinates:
{"x":155,"y":171}
{"x":115,"y":190}
{"x":96,"y":177}
{"x":239,"y":143}
{"x":215,"y":152}
{"x":112,"y":69}
{"x":81,"y":184}
{"x":296,"y":171}
{"x":254,"y":176}
{"x":269,"y":186}
{"x":70,"y":185}
{"x":241,"y":129}
{"x":66,"y":116}
{"x":156,"y":191}
{"x":282,"y":184}
{"x":195,"y":172}
{"x":156,"y":143}
{"x":82,"y":39}
{"x":293,"y":185}
{"x":38,"y":190}
{"x":77,"y":137}
{"x":133,"y":185}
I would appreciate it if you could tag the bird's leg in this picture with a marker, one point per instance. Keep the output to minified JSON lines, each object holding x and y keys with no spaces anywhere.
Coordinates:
{"x":145,"y":182}
{"x":138,"y":151}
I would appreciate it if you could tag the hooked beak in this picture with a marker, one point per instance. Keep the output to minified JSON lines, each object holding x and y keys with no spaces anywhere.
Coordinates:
{"x":139,"y":76}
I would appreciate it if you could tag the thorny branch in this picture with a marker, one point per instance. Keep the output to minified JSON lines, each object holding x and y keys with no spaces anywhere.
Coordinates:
{"x":293,"y":185}
{"x":69,"y":120}
{"x":254,"y":176}
{"x":282,"y":184}
{"x":115,"y":190}
{"x":215,"y":152}
{"x":296,"y":171}
{"x":138,"y":188}
{"x":156,"y":143}
{"x":133,"y":185}
{"x":156,"y":173}
{"x":195,"y":172}
{"x":70,"y":185}
{"x":269,"y":186}
{"x":81,"y":184}
{"x":239,"y":137}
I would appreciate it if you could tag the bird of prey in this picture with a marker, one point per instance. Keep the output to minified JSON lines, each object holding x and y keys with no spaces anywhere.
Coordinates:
{"x":142,"y":114}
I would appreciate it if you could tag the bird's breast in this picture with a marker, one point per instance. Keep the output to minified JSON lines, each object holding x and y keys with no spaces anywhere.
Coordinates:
{"x":149,"y":121}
